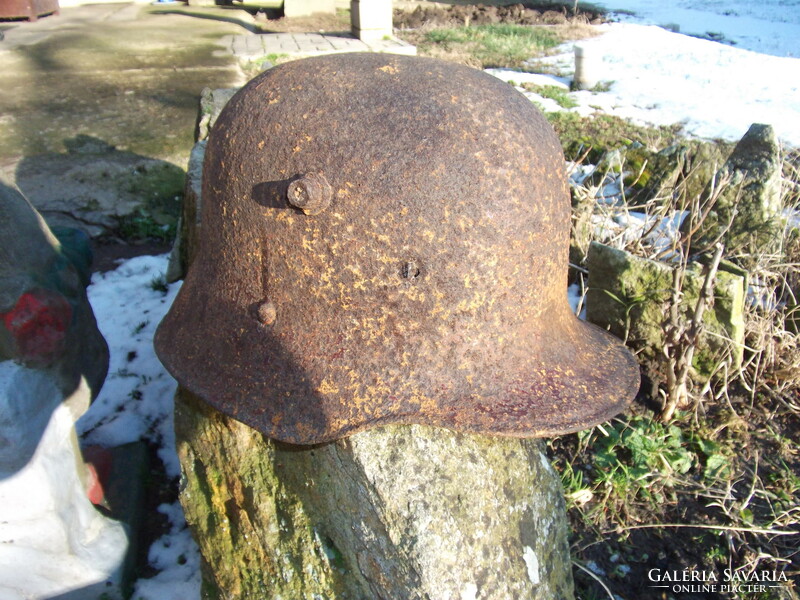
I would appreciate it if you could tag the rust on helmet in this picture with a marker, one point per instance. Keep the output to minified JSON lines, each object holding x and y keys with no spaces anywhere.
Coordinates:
{"x":385,"y":241}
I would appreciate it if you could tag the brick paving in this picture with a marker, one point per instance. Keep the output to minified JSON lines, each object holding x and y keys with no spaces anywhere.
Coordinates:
{"x":254,"y":46}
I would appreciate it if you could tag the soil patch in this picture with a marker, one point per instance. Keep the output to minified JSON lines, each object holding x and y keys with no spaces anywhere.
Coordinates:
{"x":108,"y":254}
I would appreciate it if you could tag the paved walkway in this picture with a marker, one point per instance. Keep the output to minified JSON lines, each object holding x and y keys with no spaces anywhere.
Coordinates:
{"x":253,"y":46}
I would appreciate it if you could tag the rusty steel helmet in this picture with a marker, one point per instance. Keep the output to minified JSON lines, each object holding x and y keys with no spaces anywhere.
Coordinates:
{"x":385,"y":240}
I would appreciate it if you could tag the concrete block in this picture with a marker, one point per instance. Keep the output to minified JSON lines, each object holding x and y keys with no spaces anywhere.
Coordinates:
{"x":371,"y":19}
{"x":589,"y":66}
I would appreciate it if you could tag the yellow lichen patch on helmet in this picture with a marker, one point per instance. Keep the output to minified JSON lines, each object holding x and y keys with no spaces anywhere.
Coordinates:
{"x":327,"y":388}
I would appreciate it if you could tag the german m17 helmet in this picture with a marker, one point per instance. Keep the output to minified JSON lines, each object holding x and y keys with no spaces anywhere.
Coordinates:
{"x":385,"y":240}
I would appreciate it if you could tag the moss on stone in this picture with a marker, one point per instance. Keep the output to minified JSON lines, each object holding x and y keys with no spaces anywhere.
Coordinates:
{"x":603,"y":133}
{"x":252,"y":530}
{"x":397,"y":511}
{"x":631,"y":296}
{"x":747,"y":199}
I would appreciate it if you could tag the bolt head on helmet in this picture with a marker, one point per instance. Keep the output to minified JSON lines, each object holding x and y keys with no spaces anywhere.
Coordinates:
{"x":385,"y":240}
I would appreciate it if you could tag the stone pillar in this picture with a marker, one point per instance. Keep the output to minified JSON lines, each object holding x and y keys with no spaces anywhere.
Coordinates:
{"x":371,"y":20}
{"x":588,"y":67}
{"x":396,"y":512}
{"x":188,"y":236}
{"x":746,"y":213}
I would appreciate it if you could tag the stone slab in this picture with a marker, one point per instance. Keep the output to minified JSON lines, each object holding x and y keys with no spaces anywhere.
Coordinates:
{"x":630,"y":295}
{"x":249,"y":47}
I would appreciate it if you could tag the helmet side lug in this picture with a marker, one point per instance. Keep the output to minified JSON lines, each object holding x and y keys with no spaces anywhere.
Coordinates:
{"x":311,"y":193}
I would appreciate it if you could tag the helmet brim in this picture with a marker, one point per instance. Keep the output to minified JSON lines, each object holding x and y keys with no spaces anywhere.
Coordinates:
{"x":576,"y":378}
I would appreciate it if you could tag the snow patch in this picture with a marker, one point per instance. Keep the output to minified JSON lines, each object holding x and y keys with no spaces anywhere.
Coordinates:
{"x":658,"y":77}
{"x":177,"y":558}
{"x":766,"y":26}
{"x":136,"y":401}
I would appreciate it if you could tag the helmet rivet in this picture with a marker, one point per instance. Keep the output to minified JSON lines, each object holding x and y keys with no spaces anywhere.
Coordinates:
{"x":267,"y":313}
{"x":311,"y":193}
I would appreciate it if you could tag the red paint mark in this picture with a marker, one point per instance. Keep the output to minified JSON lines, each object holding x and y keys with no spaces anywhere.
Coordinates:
{"x":39,"y":322}
{"x":98,"y":468}
{"x":94,"y":489}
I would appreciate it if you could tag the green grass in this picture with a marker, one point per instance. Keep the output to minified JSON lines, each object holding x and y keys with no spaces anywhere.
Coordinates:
{"x":560,"y":95}
{"x":274,"y":58}
{"x":601,"y":133}
{"x":159,"y":284}
{"x":639,"y":461}
{"x":500,"y":45}
{"x":140,"y":226}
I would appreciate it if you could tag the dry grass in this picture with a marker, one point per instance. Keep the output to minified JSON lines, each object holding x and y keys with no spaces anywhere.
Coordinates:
{"x":575,"y":29}
{"x":509,"y":46}
{"x":462,"y":54}
{"x":727,"y":490}
{"x":322,"y":22}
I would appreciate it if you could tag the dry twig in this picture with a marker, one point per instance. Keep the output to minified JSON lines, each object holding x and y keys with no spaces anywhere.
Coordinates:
{"x":681,"y":341}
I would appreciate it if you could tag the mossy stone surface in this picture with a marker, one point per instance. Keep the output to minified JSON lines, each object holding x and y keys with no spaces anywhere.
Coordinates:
{"x":746,"y":215}
{"x":401,"y":512}
{"x":682,"y":171}
{"x":630,"y":296}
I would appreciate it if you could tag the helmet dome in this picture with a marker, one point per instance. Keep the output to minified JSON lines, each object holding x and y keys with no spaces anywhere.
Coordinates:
{"x":385,"y":240}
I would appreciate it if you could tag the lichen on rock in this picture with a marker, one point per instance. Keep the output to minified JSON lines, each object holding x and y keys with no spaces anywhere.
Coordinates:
{"x":394,"y":512}
{"x":630,"y":296}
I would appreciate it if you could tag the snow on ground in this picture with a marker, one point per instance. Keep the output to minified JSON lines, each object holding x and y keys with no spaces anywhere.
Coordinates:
{"x":129,"y":304}
{"x":177,"y":558}
{"x":659,"y":77}
{"x":766,"y":26}
{"x":136,"y":402}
